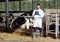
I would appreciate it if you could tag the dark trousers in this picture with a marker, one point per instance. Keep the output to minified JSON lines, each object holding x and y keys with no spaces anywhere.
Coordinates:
{"x":40,"y":29}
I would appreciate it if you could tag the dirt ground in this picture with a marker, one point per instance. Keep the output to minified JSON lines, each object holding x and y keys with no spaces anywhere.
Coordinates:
{"x":14,"y":37}
{"x":18,"y":38}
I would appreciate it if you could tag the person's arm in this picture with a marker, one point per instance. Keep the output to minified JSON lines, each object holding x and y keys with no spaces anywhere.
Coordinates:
{"x":41,"y":14}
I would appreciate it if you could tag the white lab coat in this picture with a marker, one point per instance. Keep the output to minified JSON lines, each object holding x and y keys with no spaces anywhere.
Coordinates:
{"x":38,"y":18}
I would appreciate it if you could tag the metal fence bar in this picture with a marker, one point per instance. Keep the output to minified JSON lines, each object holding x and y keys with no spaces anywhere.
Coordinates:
{"x":18,"y":16}
{"x":7,"y":26}
{"x":49,"y":16}
{"x":56,"y":24}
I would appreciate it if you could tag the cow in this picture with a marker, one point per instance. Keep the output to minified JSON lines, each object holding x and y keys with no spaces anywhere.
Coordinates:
{"x":1,"y":19}
{"x":21,"y":21}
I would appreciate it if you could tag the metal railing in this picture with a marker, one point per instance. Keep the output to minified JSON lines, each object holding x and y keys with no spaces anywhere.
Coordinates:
{"x":56,"y":22}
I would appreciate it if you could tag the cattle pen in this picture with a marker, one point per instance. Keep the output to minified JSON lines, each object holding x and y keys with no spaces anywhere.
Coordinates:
{"x":53,"y":18}
{"x":50,"y":21}
{"x":16,"y":21}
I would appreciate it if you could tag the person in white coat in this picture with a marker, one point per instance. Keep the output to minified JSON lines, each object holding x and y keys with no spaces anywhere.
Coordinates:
{"x":38,"y":15}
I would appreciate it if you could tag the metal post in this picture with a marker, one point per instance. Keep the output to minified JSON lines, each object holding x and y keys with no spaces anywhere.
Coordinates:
{"x":56,"y":27}
{"x":47,"y":3}
{"x":46,"y":25}
{"x":32,"y":4}
{"x":6,"y":14}
{"x":7,"y":7}
{"x":20,"y":5}
{"x":14,"y":7}
{"x":41,"y":3}
{"x":56,"y":20}
{"x":2,"y":6}
{"x":57,"y":30}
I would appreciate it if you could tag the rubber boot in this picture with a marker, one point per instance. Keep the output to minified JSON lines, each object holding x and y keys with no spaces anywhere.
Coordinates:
{"x":34,"y":34}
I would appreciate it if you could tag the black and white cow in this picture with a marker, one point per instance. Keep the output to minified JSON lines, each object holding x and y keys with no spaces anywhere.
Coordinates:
{"x":21,"y":21}
{"x":1,"y":19}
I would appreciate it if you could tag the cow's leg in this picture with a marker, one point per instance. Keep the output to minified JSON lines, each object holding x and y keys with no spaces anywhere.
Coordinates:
{"x":31,"y":20}
{"x":27,"y":23}
{"x":23,"y":26}
{"x":11,"y":23}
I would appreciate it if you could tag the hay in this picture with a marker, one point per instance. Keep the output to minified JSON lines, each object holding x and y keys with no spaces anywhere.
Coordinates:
{"x":18,"y":37}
